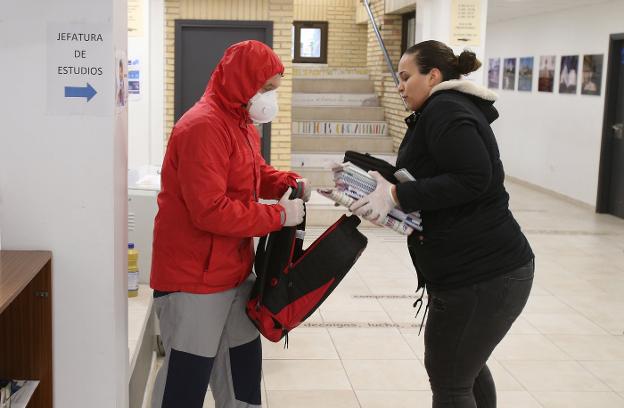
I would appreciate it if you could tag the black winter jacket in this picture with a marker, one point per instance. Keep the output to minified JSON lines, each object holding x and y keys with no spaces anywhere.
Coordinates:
{"x":469,"y":234}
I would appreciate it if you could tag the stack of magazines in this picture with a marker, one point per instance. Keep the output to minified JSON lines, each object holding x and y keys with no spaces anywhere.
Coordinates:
{"x":353,"y":183}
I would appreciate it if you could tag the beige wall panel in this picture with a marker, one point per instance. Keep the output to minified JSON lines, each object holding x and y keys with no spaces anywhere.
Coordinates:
{"x":317,"y":10}
{"x":311,"y":10}
{"x":400,"y":6}
{"x":361,"y":17}
{"x":224,"y":9}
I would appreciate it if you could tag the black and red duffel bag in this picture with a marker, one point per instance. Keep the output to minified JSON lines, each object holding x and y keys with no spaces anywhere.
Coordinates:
{"x":292,"y":282}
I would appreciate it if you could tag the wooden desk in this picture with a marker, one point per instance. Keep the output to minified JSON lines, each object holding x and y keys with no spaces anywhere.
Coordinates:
{"x":26,"y":321}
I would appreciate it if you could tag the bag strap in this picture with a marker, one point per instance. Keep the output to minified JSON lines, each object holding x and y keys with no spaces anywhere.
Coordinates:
{"x":264,"y":249}
{"x":300,"y":229}
{"x":267,"y":242}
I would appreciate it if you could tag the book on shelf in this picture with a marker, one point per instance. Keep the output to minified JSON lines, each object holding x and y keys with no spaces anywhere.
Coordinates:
{"x":352,"y":183}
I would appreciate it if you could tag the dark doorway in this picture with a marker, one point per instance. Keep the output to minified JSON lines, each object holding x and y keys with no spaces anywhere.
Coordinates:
{"x":611,"y":177}
{"x":199,"y":46}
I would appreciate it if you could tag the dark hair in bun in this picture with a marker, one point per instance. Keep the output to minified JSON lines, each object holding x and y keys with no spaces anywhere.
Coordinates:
{"x":467,"y":62}
{"x":435,"y":54}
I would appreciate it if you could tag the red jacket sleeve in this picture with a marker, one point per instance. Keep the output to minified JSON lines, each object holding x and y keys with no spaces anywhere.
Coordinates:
{"x":274,"y":183}
{"x":203,"y":166}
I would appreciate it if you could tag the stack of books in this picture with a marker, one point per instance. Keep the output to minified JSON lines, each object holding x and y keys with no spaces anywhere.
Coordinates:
{"x":353,"y":183}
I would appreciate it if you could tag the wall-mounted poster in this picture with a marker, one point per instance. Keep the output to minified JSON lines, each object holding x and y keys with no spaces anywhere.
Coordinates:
{"x":134,"y":78}
{"x":465,"y":22}
{"x":494,"y":73}
{"x":568,"y":74}
{"x":592,"y":74}
{"x":135,"y":18}
{"x":509,"y":74}
{"x":121,"y":78}
{"x":525,"y":74}
{"x":546,"y":79}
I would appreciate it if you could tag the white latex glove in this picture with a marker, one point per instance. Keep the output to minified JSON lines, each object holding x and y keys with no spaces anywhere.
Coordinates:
{"x":375,"y":206}
{"x":307,"y":189}
{"x":293,"y":209}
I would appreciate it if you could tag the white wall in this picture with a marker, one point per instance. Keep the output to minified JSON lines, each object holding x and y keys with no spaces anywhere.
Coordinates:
{"x":433,"y":22}
{"x":63,"y":188}
{"x":146,"y":111}
{"x":551,"y":139}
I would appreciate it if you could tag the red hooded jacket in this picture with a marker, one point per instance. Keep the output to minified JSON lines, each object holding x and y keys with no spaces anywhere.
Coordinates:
{"x":212,"y":176}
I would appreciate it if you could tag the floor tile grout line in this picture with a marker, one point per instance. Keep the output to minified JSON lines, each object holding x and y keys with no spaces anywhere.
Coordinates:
{"x":344,"y":369}
{"x":333,"y":340}
{"x":266,"y":392}
{"x":500,"y":363}
{"x":537,"y":401}
{"x":580,"y":310}
{"x":557,"y":347}
{"x":595,"y":376}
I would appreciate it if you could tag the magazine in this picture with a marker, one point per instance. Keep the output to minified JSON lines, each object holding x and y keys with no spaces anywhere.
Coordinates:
{"x":353,"y":183}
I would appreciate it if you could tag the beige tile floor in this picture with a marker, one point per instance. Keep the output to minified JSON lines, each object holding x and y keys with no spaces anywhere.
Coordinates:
{"x":362,"y":348}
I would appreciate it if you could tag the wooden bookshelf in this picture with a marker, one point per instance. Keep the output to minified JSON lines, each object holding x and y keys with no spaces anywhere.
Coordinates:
{"x":26,"y":321}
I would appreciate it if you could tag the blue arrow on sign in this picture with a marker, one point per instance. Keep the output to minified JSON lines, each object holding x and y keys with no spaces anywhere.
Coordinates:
{"x":80,"y":92}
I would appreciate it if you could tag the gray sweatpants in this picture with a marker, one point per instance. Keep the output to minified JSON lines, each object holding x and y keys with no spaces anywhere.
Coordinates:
{"x":208,"y":339}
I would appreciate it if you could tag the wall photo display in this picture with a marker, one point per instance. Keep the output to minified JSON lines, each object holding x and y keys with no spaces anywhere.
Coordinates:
{"x":494,"y":73}
{"x":592,"y":74}
{"x":568,"y":74}
{"x":546,"y":79}
{"x":509,"y":74}
{"x":525,"y":74}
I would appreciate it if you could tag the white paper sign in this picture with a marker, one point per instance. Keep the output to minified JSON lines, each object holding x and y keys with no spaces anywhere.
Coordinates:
{"x":465,"y":22}
{"x":79,"y":69}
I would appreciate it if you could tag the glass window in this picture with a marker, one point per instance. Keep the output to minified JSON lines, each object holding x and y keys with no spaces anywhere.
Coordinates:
{"x":310,"y":41}
{"x":409,"y":31}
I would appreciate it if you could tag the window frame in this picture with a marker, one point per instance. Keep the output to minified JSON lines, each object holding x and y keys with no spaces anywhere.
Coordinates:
{"x":324,"y":27}
{"x":404,"y":30}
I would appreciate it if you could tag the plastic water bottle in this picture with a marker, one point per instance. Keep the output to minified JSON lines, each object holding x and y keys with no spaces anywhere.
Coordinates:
{"x":133,"y":271}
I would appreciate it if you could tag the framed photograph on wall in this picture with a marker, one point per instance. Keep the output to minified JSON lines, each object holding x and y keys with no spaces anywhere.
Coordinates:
{"x":509,"y":74}
{"x":525,"y":74}
{"x":546,"y":79}
{"x":592,"y":74}
{"x":568,"y":74}
{"x":494,"y":73}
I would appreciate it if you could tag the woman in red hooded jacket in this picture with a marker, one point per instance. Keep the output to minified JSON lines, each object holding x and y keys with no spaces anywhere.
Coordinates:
{"x":212,"y":178}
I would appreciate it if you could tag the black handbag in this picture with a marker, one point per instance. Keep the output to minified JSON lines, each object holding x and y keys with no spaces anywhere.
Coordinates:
{"x":367,"y":162}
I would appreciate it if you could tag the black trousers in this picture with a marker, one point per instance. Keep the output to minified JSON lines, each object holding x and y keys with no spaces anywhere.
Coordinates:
{"x":463,"y":328}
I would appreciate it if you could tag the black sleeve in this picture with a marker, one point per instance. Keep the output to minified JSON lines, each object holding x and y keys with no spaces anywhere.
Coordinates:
{"x":463,"y":161}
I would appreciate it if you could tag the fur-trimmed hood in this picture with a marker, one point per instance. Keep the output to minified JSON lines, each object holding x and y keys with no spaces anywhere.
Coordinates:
{"x":480,"y":96}
{"x":467,"y":87}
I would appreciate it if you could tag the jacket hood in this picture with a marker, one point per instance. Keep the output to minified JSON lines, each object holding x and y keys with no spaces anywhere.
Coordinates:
{"x":242,"y":71}
{"x":482,"y":97}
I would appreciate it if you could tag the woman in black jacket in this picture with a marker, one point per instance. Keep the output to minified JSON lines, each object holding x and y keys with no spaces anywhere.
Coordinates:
{"x":476,"y":264}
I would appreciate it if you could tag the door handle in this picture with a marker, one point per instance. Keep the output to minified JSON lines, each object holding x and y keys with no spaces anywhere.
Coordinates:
{"x":618,"y":131}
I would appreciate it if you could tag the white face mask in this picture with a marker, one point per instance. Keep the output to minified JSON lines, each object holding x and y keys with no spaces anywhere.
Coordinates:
{"x":263,"y":107}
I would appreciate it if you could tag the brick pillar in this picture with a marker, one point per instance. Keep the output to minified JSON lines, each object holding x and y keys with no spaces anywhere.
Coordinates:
{"x":172,"y":12}
{"x":281,"y":13}
{"x":380,"y":74}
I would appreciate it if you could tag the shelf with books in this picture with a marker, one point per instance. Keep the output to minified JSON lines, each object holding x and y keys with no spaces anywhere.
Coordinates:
{"x":26,"y":322}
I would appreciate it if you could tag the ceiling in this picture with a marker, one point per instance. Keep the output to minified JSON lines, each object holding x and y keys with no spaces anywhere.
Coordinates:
{"x":501,"y":10}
